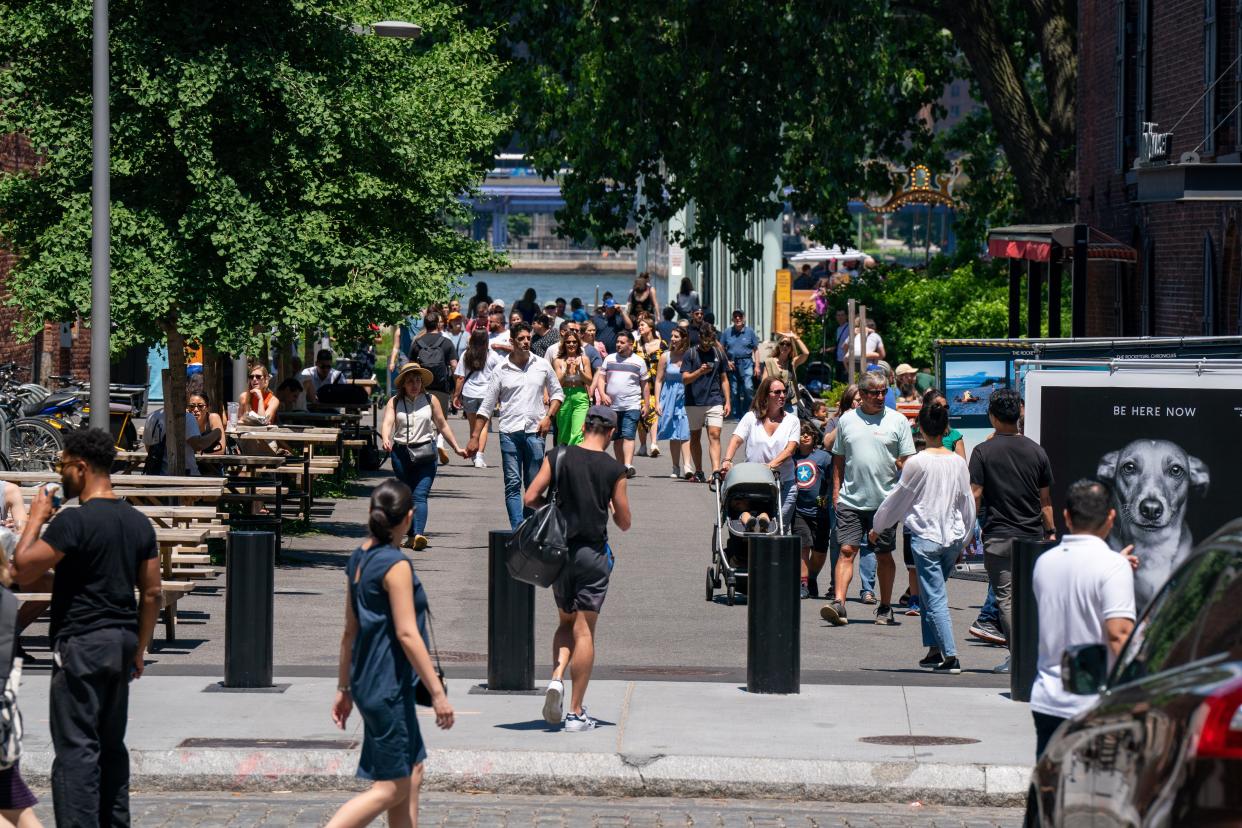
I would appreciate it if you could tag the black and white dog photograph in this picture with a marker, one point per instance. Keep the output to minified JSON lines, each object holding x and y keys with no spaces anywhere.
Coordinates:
{"x":1166,"y":449}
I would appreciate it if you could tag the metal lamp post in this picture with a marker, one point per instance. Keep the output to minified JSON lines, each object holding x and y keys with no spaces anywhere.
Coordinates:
{"x":101,"y":223}
{"x":101,"y":197}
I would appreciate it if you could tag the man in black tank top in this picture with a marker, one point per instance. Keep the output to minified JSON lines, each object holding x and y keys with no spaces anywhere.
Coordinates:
{"x":592,"y":484}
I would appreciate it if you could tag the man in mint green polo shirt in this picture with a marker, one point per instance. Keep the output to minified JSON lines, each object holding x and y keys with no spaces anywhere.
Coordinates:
{"x":872,"y":445}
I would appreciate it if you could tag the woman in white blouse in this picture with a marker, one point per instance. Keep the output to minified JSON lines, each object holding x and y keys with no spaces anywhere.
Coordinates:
{"x":770,"y":435}
{"x":935,"y":501}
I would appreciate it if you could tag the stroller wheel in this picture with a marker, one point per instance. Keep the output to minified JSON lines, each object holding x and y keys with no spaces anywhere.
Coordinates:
{"x":711,"y":585}
{"x":731,"y":596}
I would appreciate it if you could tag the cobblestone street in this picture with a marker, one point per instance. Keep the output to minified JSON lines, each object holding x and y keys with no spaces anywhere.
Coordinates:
{"x":486,"y":811}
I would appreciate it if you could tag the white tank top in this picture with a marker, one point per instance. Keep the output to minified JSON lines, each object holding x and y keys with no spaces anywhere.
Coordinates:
{"x":414,"y":423}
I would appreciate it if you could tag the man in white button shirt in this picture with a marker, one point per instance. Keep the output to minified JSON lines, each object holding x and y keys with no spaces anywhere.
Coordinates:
{"x":519,"y":385}
{"x":1085,"y":593}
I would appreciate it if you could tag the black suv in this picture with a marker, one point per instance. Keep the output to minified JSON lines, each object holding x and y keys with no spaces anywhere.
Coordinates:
{"x":1163,"y":746}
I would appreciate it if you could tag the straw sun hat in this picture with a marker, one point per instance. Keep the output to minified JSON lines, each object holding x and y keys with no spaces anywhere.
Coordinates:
{"x":412,"y":368}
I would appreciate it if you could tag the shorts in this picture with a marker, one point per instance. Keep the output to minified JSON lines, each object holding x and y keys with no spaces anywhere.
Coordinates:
{"x":627,"y":424}
{"x":812,"y":530}
{"x":907,"y":548}
{"x":710,"y":415}
{"x":471,"y":405}
{"x":583,"y":583}
{"x":854,"y":525}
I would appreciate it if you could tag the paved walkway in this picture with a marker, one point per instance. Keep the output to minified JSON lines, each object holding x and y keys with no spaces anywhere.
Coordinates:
{"x":489,"y":811}
{"x":668,"y":675}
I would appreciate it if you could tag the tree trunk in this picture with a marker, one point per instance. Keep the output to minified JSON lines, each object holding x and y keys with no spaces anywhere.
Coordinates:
{"x":174,"y":402}
{"x":1038,"y":155}
{"x":213,"y":379}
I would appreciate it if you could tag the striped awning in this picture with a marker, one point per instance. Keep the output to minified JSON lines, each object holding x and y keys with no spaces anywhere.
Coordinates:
{"x":1051,"y":242}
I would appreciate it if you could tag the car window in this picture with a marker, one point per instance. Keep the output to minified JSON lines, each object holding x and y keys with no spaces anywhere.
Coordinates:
{"x":1165,"y":637}
{"x":1220,"y":630}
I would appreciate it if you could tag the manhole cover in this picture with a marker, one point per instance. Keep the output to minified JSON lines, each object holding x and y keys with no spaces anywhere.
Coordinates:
{"x":270,"y":744}
{"x":459,"y":655}
{"x":669,"y":671}
{"x":918,"y":741}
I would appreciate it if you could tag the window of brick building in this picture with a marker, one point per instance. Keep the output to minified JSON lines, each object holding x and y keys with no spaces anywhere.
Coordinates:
{"x":1209,"y":77}
{"x":1209,"y":286}
{"x":1142,"y":69}
{"x":1119,"y":86}
{"x":1229,"y":299}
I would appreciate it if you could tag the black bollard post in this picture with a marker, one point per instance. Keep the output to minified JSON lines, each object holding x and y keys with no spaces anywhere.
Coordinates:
{"x":249,"y":614}
{"x":1024,"y":626}
{"x":510,"y":623}
{"x":773,"y":615}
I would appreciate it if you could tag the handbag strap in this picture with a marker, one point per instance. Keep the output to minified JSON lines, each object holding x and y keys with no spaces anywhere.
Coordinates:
{"x":431,"y":628}
{"x":556,"y":475}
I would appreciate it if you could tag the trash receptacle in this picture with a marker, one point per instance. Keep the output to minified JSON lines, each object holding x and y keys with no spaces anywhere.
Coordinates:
{"x":249,"y":614}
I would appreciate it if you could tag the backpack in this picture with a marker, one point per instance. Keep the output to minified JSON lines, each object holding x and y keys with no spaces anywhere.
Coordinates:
{"x":429,"y":351}
{"x":154,"y":463}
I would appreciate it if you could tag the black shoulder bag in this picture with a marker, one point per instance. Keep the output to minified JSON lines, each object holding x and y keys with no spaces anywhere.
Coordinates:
{"x":539,"y":548}
{"x":423,"y":452}
{"x":422,"y":695}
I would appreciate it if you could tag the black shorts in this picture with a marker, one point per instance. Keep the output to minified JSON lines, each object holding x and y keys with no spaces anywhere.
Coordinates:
{"x":583,"y":584}
{"x":907,"y":548}
{"x":812,"y":530}
{"x":854,"y":525}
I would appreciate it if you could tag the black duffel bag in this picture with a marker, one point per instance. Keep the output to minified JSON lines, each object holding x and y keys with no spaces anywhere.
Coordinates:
{"x":538,"y":548}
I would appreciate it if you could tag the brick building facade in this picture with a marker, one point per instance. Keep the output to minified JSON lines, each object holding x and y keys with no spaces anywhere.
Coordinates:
{"x":42,"y":355}
{"x":1174,"y":63}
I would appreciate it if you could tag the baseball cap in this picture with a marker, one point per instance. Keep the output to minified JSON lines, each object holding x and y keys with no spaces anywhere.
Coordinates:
{"x":603,"y":412}
{"x":498,"y":303}
{"x":454,"y":315}
{"x":739,"y":312}
{"x":610,"y":302}
{"x":905,"y":368}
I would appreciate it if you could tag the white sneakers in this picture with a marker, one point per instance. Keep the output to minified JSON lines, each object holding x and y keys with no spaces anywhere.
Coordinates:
{"x":576,"y":724}
{"x":478,"y":462}
{"x":552,"y":700}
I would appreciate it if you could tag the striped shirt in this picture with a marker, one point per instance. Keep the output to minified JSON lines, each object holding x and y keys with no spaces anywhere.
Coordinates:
{"x":623,"y":380}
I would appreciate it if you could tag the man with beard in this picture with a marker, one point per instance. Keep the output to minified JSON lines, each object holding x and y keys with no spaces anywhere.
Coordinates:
{"x":102,"y":551}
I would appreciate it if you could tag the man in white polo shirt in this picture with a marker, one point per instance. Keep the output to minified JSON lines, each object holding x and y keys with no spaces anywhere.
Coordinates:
{"x":519,"y":385}
{"x":1085,"y":593}
{"x":621,"y":384}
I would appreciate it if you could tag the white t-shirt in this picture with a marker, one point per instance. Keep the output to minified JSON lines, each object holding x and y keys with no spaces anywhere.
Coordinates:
{"x":761,"y":447}
{"x":874,"y":343}
{"x":933,"y":497}
{"x":1078,"y":586}
{"x":155,"y":431}
{"x":475,"y":385}
{"x":623,"y":381}
{"x":502,"y":338}
{"x":317,"y":382}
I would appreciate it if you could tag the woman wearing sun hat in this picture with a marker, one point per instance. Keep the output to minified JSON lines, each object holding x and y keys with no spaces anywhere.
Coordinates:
{"x":412,"y":417}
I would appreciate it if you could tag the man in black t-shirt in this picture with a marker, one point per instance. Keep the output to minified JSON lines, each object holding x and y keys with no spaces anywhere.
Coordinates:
{"x":1011,"y":478}
{"x":591,"y":485}
{"x":102,"y":551}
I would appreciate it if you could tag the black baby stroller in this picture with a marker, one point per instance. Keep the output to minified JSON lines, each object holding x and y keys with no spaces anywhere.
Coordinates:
{"x":748,"y":487}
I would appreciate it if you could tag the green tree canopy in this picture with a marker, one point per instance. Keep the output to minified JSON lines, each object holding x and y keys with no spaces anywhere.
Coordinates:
{"x":270,"y":169}
{"x":651,"y":104}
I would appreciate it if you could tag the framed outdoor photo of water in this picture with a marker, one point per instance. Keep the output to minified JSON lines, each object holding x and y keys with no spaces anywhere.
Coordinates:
{"x":1166,"y":442}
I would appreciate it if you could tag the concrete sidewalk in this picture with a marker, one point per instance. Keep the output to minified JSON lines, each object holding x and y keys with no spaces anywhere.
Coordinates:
{"x":682,"y":739}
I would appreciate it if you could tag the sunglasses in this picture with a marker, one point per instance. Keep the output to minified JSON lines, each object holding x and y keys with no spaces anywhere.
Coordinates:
{"x":195,"y":406}
{"x":59,"y":465}
{"x":256,"y":376}
{"x":873,"y":392}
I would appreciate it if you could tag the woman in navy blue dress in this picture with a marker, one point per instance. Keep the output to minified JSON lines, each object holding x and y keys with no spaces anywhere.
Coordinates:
{"x":383,"y":654}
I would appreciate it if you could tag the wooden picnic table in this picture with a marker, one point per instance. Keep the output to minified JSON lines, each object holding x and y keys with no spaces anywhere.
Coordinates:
{"x":308,"y":438}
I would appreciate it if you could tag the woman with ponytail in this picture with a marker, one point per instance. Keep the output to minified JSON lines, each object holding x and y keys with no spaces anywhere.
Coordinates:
{"x":383,"y":653}
{"x":935,"y":501}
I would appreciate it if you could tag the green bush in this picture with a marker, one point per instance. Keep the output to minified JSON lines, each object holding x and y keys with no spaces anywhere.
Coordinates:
{"x":912,"y":309}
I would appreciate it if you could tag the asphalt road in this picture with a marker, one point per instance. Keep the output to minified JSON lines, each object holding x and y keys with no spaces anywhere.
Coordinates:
{"x":480,"y":811}
{"x":655,"y":624}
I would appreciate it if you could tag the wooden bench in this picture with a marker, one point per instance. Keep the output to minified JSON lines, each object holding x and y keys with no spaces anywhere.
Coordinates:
{"x":170,"y":593}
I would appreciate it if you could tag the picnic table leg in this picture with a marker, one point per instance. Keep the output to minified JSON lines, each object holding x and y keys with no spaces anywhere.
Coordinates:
{"x":307,"y":481}
{"x":170,"y":623}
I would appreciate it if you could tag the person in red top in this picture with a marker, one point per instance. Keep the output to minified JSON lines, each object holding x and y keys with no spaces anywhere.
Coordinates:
{"x":258,"y":402}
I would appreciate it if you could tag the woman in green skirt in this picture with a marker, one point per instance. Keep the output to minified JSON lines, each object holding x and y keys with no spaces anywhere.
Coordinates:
{"x":573,"y":370}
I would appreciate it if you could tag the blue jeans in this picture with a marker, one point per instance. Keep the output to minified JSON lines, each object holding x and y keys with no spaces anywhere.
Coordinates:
{"x":521,"y":455}
{"x":742,"y":386}
{"x":419,"y":478}
{"x":990,"y":611}
{"x":934,"y":564}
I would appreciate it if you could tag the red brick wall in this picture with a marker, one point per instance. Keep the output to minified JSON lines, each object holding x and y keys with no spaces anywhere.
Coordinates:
{"x":16,"y":155}
{"x":1176,"y":229}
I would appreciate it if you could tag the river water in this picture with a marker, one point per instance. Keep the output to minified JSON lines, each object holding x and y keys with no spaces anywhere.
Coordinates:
{"x":511,"y":284}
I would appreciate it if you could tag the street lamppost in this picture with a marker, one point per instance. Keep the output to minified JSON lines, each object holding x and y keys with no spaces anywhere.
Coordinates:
{"x":101,"y":198}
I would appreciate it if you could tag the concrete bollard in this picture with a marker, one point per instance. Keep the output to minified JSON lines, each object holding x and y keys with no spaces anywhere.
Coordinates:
{"x":510,"y":623}
{"x":249,"y":613}
{"x":773,"y":615}
{"x":1024,"y":626}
